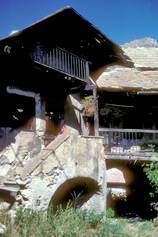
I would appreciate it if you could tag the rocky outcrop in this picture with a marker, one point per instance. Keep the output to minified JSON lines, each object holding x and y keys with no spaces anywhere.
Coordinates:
{"x":143,"y":52}
{"x":146,"y":42}
{"x":143,"y":57}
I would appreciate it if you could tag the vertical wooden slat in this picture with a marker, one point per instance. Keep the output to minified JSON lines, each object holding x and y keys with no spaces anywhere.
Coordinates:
{"x":126,"y":138}
{"x":71,"y":64}
{"x":109,"y":139}
{"x":79,"y":68}
{"x":43,"y":59}
{"x":47,"y":56}
{"x":136,"y":140}
{"x":65,"y":62}
{"x":62,"y":60}
{"x":79,"y":62}
{"x":59,"y":59}
{"x":50,"y":58}
{"x":76,"y":67}
{"x":82,"y":68}
{"x":132,"y":138}
{"x":68,"y":63}
{"x":55,"y":57}
{"x":121,"y":139}
{"x":87,"y":70}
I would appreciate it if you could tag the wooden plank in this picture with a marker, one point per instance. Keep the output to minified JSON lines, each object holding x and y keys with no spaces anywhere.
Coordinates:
{"x":127,"y":130}
{"x":31,"y":165}
{"x":124,"y":106}
{"x":130,"y":157}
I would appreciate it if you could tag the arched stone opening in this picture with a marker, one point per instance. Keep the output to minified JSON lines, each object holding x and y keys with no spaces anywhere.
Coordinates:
{"x":74,"y":192}
{"x":129,"y":190}
{"x":119,"y":182}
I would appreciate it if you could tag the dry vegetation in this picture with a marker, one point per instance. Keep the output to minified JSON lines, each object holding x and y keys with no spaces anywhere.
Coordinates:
{"x":73,"y":223}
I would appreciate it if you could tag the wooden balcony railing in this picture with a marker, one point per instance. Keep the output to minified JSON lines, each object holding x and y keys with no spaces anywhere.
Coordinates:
{"x":62,"y":61}
{"x":129,"y":140}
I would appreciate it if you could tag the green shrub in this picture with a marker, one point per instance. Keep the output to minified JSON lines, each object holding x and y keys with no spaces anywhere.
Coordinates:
{"x":151,"y":170}
{"x":110,"y":213}
{"x":92,"y":218}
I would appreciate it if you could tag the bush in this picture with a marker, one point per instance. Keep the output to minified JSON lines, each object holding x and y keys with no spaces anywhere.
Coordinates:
{"x":151,"y":171}
{"x":110,"y":213}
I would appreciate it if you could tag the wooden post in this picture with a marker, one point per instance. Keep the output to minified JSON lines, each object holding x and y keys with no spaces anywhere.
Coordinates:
{"x":40,"y":116}
{"x":96,"y":118}
{"x":78,"y":110}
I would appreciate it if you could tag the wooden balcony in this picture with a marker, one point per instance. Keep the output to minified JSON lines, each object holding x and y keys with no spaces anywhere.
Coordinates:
{"x":63,"y":61}
{"x":134,"y":144}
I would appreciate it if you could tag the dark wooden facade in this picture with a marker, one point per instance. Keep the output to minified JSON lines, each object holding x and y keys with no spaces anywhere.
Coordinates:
{"x":129,"y":125}
{"x":53,"y":57}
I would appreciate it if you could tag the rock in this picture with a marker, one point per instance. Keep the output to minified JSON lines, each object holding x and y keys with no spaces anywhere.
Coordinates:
{"x":155,"y":221}
{"x":4,"y":160}
{"x":26,"y":181}
{"x":2,"y":228}
{"x":134,"y":219}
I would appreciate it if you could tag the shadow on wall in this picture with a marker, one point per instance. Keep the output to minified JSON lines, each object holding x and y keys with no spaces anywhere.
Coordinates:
{"x":74,"y":193}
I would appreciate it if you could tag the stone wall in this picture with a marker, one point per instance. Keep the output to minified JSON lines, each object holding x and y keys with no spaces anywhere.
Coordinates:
{"x":77,"y":165}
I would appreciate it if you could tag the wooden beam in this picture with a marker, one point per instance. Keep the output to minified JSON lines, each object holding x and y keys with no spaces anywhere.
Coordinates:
{"x":16,"y":91}
{"x":78,"y":108}
{"x":112,"y":156}
{"x":96,"y":117}
{"x":127,"y":130}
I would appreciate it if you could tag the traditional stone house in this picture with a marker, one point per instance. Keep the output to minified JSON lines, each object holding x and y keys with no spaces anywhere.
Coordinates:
{"x":128,"y":120}
{"x":47,"y":157}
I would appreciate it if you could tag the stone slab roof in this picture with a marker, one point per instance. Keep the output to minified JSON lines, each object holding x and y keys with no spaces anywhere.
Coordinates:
{"x":142,"y":56}
{"x":128,"y":80}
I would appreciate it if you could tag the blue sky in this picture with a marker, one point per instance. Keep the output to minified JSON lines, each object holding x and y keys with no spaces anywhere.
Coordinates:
{"x":120,"y":20}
